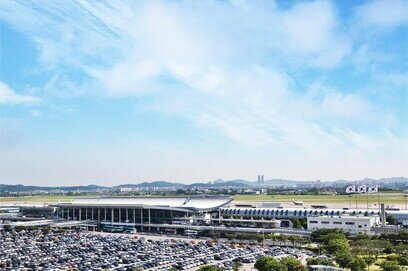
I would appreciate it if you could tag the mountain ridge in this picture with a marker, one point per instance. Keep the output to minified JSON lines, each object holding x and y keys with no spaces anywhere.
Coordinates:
{"x":238,"y":183}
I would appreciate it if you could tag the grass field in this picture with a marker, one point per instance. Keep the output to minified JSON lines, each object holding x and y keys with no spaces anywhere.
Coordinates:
{"x":385,"y":198}
{"x":389,"y":198}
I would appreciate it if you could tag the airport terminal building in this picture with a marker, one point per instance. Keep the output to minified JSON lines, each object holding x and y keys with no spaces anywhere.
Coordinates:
{"x":140,"y":213}
{"x":302,"y":212}
{"x":137,"y":211}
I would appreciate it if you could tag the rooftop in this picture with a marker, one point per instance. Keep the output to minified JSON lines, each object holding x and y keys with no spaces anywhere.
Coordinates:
{"x":191,"y":203}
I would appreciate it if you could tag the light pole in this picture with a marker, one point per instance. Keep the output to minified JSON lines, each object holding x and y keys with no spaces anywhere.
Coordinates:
{"x":263,"y":236}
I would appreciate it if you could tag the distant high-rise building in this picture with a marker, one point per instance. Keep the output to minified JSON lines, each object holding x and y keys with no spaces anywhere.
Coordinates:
{"x":261,"y":180}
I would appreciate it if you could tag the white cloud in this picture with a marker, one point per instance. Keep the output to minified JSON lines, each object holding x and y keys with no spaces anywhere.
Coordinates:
{"x":35,"y":113}
{"x":310,"y":29}
{"x":227,"y":74}
{"x":397,"y":79}
{"x":380,"y":13}
{"x":9,"y":96}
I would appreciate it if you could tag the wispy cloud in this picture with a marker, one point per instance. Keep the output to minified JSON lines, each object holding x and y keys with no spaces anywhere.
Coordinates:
{"x":35,"y":113}
{"x":253,"y":72}
{"x":379,"y":13}
{"x":9,"y":96}
{"x":211,"y":73}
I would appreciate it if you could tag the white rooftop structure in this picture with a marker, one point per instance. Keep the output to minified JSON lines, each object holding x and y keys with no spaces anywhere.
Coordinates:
{"x":351,"y":224}
{"x":289,"y":212}
{"x":189,"y":203}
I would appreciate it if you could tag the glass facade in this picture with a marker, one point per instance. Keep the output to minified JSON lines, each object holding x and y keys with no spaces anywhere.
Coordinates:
{"x":121,"y":215}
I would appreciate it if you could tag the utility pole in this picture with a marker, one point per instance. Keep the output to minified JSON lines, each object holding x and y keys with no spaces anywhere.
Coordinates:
{"x":356,"y":195}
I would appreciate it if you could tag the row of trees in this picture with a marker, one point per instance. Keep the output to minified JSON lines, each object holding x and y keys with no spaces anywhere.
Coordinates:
{"x":267,"y":263}
{"x":355,"y":253}
{"x":394,"y":245}
{"x":236,"y":266}
{"x":279,"y":239}
{"x":363,"y":250}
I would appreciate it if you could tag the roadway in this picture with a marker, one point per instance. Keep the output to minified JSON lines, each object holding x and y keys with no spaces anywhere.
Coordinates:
{"x":218,"y":228}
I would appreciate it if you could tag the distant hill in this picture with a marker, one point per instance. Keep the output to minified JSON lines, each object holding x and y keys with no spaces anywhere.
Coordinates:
{"x":391,"y":182}
{"x":283,"y":182}
{"x":151,"y":184}
{"x":220,"y":184}
{"x":370,"y":181}
{"x":240,"y":181}
{"x":24,"y":188}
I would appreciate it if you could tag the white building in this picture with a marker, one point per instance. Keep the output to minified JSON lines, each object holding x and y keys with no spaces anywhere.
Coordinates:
{"x":351,"y":224}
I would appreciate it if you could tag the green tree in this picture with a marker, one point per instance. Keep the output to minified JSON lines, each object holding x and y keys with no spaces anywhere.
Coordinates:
{"x":390,"y":266}
{"x":319,"y":261}
{"x":358,"y":264}
{"x":7,"y":228}
{"x":323,"y":235}
{"x":362,"y":246}
{"x":46,"y":230}
{"x":402,"y":249}
{"x":272,"y":237}
{"x":215,"y":237}
{"x":292,"y":264}
{"x":369,"y":261}
{"x":261,"y":263}
{"x":259,"y":237}
{"x":387,"y":247}
{"x":19,"y":228}
{"x":276,"y":266}
{"x":375,"y":247}
{"x":230,"y":236}
{"x":296,"y":223}
{"x":303,"y":221}
{"x":292,"y":239}
{"x":391,"y":220}
{"x":395,"y":238}
{"x":266,"y":263}
{"x":336,"y":245}
{"x":236,"y":266}
{"x":210,"y":268}
{"x":402,"y":259}
{"x":344,"y":258}
{"x":281,"y":238}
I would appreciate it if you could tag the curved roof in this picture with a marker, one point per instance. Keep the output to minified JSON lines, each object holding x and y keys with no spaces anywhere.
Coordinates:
{"x":179,"y":203}
{"x":273,"y":212}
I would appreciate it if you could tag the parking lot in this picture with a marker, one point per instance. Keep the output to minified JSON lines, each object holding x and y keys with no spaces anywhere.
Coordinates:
{"x":34,"y":250}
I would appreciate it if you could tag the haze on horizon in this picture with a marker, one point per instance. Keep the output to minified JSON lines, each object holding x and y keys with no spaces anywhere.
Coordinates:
{"x":118,"y":92}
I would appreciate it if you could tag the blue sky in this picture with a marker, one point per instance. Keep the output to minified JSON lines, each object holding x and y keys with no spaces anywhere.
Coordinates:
{"x":115,"y":92}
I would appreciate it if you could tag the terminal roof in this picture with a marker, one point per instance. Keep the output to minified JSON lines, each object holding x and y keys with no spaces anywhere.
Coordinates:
{"x":193,"y":203}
